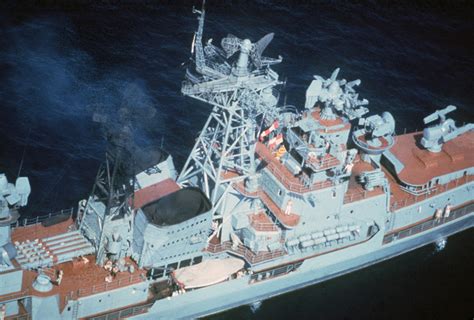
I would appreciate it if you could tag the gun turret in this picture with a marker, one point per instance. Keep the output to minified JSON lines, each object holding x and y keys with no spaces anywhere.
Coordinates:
{"x":439,"y":114}
{"x":435,"y":136}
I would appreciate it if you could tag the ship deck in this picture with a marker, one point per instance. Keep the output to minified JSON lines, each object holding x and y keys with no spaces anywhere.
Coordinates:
{"x":356,"y":191}
{"x":261,"y":222}
{"x":421,"y":165}
{"x":154,"y":192}
{"x":331,"y":125}
{"x":37,"y":231}
{"x":288,"y":220}
{"x":400,"y":198}
{"x":79,"y":278}
{"x":283,"y":175}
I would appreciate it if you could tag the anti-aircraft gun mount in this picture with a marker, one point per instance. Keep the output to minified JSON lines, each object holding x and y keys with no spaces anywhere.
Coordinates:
{"x":435,"y":136}
{"x":336,"y":97}
{"x":375,"y":135}
{"x":12,"y":197}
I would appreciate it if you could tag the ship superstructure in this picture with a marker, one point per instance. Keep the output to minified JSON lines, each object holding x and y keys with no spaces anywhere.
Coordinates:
{"x":272,"y":198}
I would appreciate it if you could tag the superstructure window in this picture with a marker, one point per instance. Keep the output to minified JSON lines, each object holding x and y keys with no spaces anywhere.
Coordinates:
{"x":197,"y":260}
{"x":185,"y":263}
{"x":172,"y":266}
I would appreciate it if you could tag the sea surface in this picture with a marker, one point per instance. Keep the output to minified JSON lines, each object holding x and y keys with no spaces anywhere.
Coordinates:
{"x":62,"y":61}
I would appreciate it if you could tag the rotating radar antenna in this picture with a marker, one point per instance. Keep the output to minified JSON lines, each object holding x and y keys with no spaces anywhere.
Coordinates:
{"x":244,"y":98}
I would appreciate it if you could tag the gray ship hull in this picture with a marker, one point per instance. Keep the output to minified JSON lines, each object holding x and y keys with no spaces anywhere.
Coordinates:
{"x":232,"y":294}
{"x":271,"y":199}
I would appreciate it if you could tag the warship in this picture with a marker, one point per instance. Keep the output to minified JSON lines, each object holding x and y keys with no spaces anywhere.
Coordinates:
{"x":272,"y":198}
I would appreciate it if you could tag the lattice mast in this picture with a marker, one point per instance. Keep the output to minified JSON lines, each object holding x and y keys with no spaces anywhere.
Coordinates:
{"x":110,"y":198}
{"x":243,"y":98}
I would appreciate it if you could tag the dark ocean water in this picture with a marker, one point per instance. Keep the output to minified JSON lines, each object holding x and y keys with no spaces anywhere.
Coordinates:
{"x":61,"y":62}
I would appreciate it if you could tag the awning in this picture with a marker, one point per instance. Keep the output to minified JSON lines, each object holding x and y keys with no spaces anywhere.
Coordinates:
{"x":207,"y":273}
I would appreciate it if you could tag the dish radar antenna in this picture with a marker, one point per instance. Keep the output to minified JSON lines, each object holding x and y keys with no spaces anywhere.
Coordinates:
{"x":244,"y":99}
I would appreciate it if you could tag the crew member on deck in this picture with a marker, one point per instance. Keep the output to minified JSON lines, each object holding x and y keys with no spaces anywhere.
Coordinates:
{"x":289,"y":206}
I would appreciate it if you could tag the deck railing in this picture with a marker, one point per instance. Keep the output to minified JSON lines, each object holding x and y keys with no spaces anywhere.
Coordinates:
{"x":257,"y":225}
{"x":457,"y":213}
{"x":263,"y":226}
{"x":124,"y":313}
{"x":355,"y":196}
{"x":35,"y":220}
{"x":15,"y":295}
{"x":115,"y":284}
{"x":244,"y":252}
{"x":298,"y":187}
{"x":412,"y":199}
{"x":25,"y":316}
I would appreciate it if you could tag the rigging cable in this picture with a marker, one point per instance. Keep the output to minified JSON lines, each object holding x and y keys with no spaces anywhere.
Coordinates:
{"x":24,"y":152}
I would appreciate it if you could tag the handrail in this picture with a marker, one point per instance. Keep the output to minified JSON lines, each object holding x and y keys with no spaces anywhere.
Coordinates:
{"x":32,"y":221}
{"x":260,"y":226}
{"x":15,"y":295}
{"x":115,"y":284}
{"x":263,"y":226}
{"x":296,"y":187}
{"x":455,"y":214}
{"x":417,"y":191}
{"x":245,"y":252}
{"x":25,"y":316}
{"x":124,"y":313}
{"x":348,"y":198}
{"x":412,"y":199}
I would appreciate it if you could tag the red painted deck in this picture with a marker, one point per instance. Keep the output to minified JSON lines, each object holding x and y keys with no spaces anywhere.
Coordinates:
{"x":289,"y":220}
{"x":283,"y":175}
{"x":154,"y":192}
{"x":400,"y":198}
{"x":355,"y":191}
{"x":326,"y":162}
{"x":422,"y":165}
{"x":246,"y":253}
{"x":261,"y":222}
{"x":330,"y":124}
{"x":37,"y":231}
{"x":383,"y":141}
{"x":81,"y":280}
